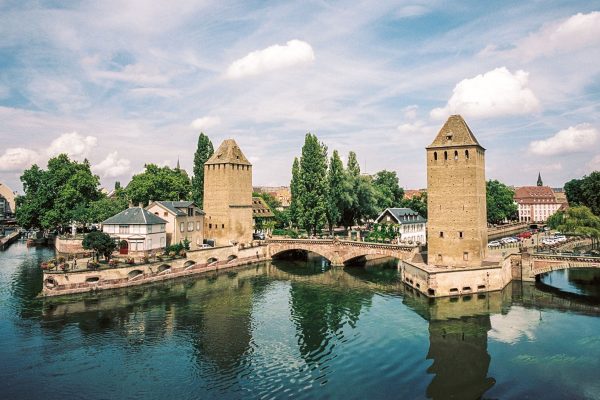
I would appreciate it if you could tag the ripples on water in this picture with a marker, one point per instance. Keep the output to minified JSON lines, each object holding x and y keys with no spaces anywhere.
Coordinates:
{"x":291,"y":328}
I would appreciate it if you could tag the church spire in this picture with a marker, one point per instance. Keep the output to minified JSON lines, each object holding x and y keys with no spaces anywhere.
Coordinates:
{"x":178,"y":167}
{"x":539,"y":181}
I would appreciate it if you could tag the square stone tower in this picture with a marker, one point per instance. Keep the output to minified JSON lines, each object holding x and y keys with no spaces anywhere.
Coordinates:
{"x":228,"y":195}
{"x":456,"y":197}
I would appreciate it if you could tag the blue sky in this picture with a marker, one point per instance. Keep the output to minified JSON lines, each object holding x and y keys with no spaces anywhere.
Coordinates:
{"x":128,"y":82}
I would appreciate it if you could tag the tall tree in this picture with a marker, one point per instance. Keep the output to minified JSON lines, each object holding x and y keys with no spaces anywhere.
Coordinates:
{"x":581,"y":221}
{"x":387,"y":190}
{"x":55,"y":197}
{"x":312,"y":186}
{"x":574,"y":192}
{"x":203,"y":152}
{"x":158,"y":183}
{"x":338,"y":193}
{"x":351,"y":210}
{"x":500,"y":202}
{"x":295,"y":206}
{"x":591,"y":192}
{"x":417,"y":203}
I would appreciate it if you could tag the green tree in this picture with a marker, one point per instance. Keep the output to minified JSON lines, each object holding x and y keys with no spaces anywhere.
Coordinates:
{"x":555,"y":220}
{"x":417,"y":203}
{"x":105,"y":208}
{"x":58,"y":195}
{"x":574,"y":191}
{"x":158,"y":183}
{"x":500,"y":202}
{"x":203,"y":152}
{"x":101,"y":243}
{"x":590,"y":189}
{"x":338,"y":193}
{"x":295,"y":206}
{"x":580,"y":220}
{"x":351,"y":212}
{"x":387,"y":190}
{"x":312,"y":188}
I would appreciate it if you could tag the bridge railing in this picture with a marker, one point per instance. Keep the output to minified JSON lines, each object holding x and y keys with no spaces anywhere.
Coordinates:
{"x":346,"y":243}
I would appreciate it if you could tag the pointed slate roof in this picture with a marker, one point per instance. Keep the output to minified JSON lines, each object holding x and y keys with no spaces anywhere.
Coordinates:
{"x":175,"y":207}
{"x":134,"y":216}
{"x":228,"y":153}
{"x":455,"y":132}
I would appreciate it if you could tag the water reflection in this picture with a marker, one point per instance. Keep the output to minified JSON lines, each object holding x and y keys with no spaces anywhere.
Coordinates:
{"x":580,"y":281}
{"x":280,"y":328}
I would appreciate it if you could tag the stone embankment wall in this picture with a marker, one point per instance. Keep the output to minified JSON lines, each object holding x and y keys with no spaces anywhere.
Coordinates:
{"x":197,"y":262}
{"x":7,"y":240}
{"x":506,"y":230}
{"x":69,"y":245}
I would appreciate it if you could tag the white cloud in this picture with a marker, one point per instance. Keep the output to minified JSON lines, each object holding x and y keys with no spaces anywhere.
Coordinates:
{"x":139,"y":74}
{"x":571,"y":140}
{"x":205,"y":122}
{"x":410,"y":112}
{"x":16,"y":159}
{"x":594,"y":164}
{"x":414,"y":127}
{"x":576,"y":32}
{"x":294,"y":52}
{"x":519,"y":323}
{"x":112,"y":166}
{"x":496,"y":93}
{"x":75,"y":145}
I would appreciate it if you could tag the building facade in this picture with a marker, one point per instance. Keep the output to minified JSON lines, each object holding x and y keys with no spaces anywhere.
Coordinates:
{"x":228,"y":196}
{"x":537,"y":203}
{"x":184,"y":221}
{"x":7,"y":201}
{"x":137,"y":231}
{"x":456,"y":197}
{"x":412,"y":228}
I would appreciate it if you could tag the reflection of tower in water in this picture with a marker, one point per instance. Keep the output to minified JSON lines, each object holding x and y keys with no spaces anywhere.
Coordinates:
{"x":458,"y":348}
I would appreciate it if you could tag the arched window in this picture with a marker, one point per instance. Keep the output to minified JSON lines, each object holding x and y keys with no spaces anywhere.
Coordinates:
{"x":467,"y":154}
{"x":435,"y":155}
{"x":445,"y":155}
{"x":455,"y":155}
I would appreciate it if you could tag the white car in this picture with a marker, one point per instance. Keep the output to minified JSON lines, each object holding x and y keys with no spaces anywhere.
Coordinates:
{"x":560,"y":238}
{"x":549,"y":242}
{"x":494,"y":243}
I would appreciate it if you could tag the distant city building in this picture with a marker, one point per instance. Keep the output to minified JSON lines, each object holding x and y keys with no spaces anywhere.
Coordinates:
{"x":281,"y":193}
{"x":261,"y":213}
{"x":412,"y":227}
{"x":537,"y":203}
{"x":184,"y":221}
{"x":137,"y":231}
{"x":410,"y":193}
{"x":228,"y":195}
{"x":456,"y":197}
{"x":7,"y":201}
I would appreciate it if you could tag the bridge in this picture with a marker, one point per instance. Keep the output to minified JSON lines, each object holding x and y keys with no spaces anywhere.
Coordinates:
{"x":543,"y":263}
{"x":340,"y":252}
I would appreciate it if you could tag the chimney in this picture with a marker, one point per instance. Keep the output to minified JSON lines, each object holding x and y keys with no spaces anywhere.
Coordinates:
{"x":130,"y":204}
{"x":141,"y":205}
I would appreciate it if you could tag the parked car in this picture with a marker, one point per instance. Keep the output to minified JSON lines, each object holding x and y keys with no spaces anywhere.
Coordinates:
{"x":548,"y":241}
{"x":560,"y":238}
{"x":494,"y":243}
{"x":524,"y":235}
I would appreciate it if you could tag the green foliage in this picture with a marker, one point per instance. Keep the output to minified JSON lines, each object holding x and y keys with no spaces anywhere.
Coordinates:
{"x":58,"y":195}
{"x":574,"y":192}
{"x":204,"y":151}
{"x":285,"y":232}
{"x":312,"y":185}
{"x":281,"y":218}
{"x":500,"y":202}
{"x":585,"y":192}
{"x":388,"y":192}
{"x":580,"y":220}
{"x":100,"y":242}
{"x":294,"y":210}
{"x":383,"y":233}
{"x":555,"y":220}
{"x":417,"y":203}
{"x":158,"y":183}
{"x":338,"y":193}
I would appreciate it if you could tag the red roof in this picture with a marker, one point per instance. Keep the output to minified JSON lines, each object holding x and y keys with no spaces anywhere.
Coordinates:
{"x":526,"y":194}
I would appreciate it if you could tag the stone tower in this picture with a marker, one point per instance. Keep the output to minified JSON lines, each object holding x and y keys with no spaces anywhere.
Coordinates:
{"x":228,"y":195}
{"x":456,"y":197}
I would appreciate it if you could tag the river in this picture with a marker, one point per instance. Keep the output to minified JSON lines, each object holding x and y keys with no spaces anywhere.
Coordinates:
{"x":292,"y":328}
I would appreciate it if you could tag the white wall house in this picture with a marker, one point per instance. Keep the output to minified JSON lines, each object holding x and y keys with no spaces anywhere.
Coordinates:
{"x":411,"y":226}
{"x":137,"y":231}
{"x":536,"y":203}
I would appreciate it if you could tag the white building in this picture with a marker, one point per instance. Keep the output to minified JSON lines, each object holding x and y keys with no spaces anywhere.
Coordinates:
{"x":536,"y":203}
{"x":137,"y":231}
{"x":412,"y":227}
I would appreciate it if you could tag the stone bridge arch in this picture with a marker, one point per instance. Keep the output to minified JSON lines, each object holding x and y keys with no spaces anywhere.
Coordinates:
{"x":339,"y":252}
{"x":542,"y":264}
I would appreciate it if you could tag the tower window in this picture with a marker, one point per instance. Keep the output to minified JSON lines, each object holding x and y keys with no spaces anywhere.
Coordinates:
{"x":455,"y":155}
{"x":467,"y":154}
{"x":441,"y":234}
{"x":445,"y":155}
{"x":460,"y":235}
{"x":466,"y":256}
{"x":435,"y":155}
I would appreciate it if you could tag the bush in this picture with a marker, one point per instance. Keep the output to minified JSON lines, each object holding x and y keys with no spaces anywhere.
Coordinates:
{"x":285,"y":232}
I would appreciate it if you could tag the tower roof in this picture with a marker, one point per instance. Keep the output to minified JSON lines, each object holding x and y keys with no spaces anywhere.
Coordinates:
{"x":228,"y":153}
{"x":455,"y":132}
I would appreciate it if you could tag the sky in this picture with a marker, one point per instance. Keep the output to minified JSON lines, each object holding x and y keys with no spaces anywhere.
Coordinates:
{"x":125,"y":83}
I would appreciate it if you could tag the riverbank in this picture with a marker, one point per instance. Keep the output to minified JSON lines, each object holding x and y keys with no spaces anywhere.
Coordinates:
{"x":10,"y":238}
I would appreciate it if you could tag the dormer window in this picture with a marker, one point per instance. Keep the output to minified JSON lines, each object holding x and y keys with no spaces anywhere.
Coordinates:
{"x":449,"y":137}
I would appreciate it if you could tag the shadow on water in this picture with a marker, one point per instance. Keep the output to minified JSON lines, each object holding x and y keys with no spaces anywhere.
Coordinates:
{"x":580,"y":284}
